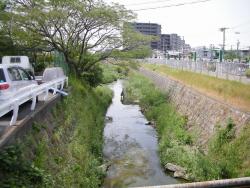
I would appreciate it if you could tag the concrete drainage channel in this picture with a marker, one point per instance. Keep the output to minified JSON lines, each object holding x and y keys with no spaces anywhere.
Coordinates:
{"x":237,"y":182}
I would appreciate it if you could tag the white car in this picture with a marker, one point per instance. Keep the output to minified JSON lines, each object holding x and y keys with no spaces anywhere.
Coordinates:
{"x":21,"y":61}
{"x":14,"y":80}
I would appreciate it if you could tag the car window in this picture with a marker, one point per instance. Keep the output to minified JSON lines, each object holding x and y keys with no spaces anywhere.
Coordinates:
{"x":24,"y":74}
{"x":15,"y":60}
{"x":2,"y":77}
{"x":14,"y":74}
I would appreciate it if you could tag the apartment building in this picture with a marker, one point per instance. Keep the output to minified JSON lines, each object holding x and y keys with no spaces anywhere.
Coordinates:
{"x":149,"y":29}
{"x":175,"y":42}
{"x":167,"y":42}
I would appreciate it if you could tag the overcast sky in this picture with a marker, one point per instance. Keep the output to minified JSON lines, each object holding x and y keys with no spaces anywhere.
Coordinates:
{"x":198,"y":23}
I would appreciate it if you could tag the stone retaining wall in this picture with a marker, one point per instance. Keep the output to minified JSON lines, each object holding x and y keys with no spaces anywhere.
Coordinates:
{"x":203,"y":112}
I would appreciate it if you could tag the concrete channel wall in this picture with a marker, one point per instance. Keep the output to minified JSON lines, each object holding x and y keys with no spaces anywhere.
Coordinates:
{"x":203,"y":113}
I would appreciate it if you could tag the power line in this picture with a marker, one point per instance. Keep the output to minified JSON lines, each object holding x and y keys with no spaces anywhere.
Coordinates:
{"x":173,"y":5}
{"x":147,"y":2}
{"x":239,"y":25}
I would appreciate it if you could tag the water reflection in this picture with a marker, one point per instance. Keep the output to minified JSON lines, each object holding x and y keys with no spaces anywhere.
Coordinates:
{"x":131,"y":146}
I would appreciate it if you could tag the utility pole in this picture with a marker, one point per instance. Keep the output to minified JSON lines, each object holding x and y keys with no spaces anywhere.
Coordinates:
{"x":223,"y":30}
{"x":183,"y":45}
{"x":238,"y":45}
{"x":163,"y":46}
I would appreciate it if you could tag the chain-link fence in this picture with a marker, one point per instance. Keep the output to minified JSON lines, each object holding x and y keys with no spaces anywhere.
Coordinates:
{"x":59,"y":61}
{"x":225,"y":70}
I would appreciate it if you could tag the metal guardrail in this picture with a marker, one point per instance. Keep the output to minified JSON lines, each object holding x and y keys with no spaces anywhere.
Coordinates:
{"x":237,"y":183}
{"x":31,"y":93}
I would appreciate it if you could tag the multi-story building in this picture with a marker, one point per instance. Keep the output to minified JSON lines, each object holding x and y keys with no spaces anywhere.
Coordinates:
{"x":175,"y":42}
{"x":149,"y":29}
{"x":165,"y":43}
{"x":187,"y":48}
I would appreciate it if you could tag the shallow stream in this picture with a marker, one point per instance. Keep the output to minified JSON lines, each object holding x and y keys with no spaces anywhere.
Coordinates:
{"x":131,"y":147}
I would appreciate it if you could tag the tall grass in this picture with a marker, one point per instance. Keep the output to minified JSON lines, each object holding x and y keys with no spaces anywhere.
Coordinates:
{"x":232,"y":92}
{"x":112,"y":72}
{"x":116,"y":70}
{"x":65,"y":150}
{"x":228,"y":156}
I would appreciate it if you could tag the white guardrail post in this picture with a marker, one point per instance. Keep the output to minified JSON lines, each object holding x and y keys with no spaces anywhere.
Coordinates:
{"x":32,"y":93}
{"x":33,"y":105}
{"x":15,"y":113}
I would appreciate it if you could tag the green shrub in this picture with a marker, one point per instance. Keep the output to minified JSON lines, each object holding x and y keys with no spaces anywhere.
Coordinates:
{"x":17,"y":171}
{"x":112,"y":72}
{"x":94,"y":76}
{"x":227,"y":156}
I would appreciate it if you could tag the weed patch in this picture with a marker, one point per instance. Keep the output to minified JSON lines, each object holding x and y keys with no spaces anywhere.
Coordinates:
{"x":116,"y":70}
{"x":228,"y":155}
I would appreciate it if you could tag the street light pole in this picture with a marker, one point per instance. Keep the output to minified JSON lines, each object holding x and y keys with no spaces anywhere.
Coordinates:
{"x":183,"y":46}
{"x":163,"y":46}
{"x":238,"y":45}
{"x":223,"y":30}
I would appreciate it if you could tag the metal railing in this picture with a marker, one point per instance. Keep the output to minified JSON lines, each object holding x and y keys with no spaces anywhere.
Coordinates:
{"x":31,"y":93}
{"x":237,"y":182}
{"x":225,"y":70}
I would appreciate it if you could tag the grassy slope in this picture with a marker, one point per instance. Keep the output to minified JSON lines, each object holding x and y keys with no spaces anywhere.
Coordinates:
{"x":67,"y":155}
{"x":233,"y":92}
{"x":116,"y":70}
{"x":113,"y":72}
{"x":227,"y":156}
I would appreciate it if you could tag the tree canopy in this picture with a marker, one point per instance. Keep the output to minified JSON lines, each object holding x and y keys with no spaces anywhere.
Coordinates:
{"x":85,"y":31}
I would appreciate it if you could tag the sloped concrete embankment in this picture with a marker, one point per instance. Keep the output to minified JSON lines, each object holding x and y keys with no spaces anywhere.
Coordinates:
{"x":203,"y":113}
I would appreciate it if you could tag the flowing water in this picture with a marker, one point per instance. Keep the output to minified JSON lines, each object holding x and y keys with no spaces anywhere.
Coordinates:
{"x":131,"y":147}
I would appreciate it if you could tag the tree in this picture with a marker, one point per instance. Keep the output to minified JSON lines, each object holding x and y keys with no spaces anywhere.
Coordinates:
{"x":85,"y":31}
{"x":6,"y":44}
{"x":230,"y":55}
{"x":12,"y":41}
{"x":135,"y":44}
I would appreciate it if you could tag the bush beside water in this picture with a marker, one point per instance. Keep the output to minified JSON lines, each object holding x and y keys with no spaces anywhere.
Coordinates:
{"x":66,"y":149}
{"x":116,"y":70}
{"x":228,"y":156}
